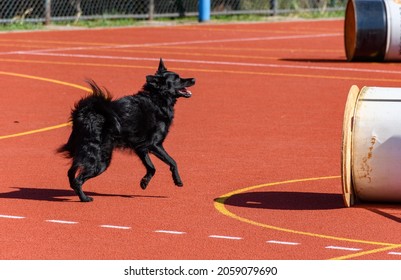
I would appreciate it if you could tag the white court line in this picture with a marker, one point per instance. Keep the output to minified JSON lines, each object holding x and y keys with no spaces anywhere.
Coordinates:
{"x":53,"y":52}
{"x":282,"y":242}
{"x":11,"y":217}
{"x":343,"y":248}
{"x":169,"y":231}
{"x":225,"y":237}
{"x":115,"y":227}
{"x":210,"y":62}
{"x":62,"y":222}
{"x":176,"y":43}
{"x":395,"y":253}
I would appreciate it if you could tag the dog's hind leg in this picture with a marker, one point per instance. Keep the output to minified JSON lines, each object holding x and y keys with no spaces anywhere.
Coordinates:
{"x":150,"y":168}
{"x":78,"y":175}
{"x":77,"y":182}
{"x":160,"y":152}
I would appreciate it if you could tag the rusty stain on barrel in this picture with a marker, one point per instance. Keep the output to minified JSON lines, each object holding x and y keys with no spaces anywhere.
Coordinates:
{"x":366,"y":169}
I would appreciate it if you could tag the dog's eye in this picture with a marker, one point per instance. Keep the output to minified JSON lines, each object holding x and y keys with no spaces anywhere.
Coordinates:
{"x":173,"y":77}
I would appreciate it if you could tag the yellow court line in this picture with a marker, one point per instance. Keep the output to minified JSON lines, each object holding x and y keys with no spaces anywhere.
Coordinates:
{"x":58,"y":42}
{"x":247,"y":49}
{"x":223,"y":49}
{"x":370,"y":252}
{"x":206,"y":71}
{"x":77,"y":63}
{"x":147,"y":51}
{"x":220,"y":206}
{"x":27,"y":46}
{"x":45,"y":80}
{"x":242,"y":30}
{"x":35,"y":131}
{"x":331,"y":77}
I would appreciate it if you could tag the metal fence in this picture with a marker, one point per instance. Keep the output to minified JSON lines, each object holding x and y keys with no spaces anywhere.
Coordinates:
{"x":74,"y":10}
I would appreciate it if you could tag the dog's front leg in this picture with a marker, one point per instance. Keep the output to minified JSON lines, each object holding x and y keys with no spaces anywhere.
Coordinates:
{"x":150,"y":169}
{"x":160,"y":152}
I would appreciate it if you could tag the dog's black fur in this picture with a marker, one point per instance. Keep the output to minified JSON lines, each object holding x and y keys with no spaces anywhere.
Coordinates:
{"x":138,"y":122}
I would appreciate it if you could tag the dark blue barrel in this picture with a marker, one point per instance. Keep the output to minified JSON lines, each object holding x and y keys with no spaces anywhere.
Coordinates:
{"x":365,"y":30}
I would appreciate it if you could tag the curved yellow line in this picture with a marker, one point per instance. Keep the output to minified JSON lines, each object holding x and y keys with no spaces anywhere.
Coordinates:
{"x":45,"y":80}
{"x":35,"y":131}
{"x":219,"y":204}
{"x":384,"y":249}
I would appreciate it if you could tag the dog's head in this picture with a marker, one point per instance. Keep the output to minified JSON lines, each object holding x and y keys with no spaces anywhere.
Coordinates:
{"x":168,"y":83}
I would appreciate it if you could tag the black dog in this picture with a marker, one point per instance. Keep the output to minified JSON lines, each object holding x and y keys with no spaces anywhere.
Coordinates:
{"x":139,"y":122}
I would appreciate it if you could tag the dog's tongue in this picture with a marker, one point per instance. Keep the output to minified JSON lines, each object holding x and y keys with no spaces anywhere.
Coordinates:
{"x":186,"y":92}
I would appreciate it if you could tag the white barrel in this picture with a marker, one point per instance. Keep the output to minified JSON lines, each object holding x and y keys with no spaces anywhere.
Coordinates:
{"x":371,"y":152}
{"x":393,"y":48}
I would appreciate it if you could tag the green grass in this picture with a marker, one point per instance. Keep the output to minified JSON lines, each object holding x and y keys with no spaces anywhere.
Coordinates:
{"x":100,"y":23}
{"x":21,"y":26}
{"x":304,"y":15}
{"x":317,"y":15}
{"x":139,"y":22}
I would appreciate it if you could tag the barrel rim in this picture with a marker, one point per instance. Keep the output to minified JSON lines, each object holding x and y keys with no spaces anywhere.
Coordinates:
{"x":350,"y":30}
{"x":346,"y":151}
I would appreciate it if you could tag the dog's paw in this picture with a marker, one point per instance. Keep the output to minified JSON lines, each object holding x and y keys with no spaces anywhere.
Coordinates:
{"x":144,"y":184}
{"x":179,"y":184}
{"x":86,"y":199}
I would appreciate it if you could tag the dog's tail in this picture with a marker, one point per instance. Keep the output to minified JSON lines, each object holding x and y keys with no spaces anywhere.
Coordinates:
{"x":93,"y":118}
{"x":102,"y":104}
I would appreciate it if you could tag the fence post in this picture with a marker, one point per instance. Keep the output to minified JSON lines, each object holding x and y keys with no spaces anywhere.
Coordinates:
{"x":48,"y":16}
{"x":204,"y":10}
{"x":273,"y":7}
{"x":151,"y":9}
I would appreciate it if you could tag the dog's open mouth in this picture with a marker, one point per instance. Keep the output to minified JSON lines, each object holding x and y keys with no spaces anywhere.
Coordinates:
{"x":185,"y":92}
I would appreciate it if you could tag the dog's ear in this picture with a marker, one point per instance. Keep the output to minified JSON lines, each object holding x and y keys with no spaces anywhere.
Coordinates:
{"x":153,"y":80}
{"x":162,"y":68}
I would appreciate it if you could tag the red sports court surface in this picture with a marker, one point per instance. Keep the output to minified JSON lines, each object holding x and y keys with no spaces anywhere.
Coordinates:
{"x":258,"y":146}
